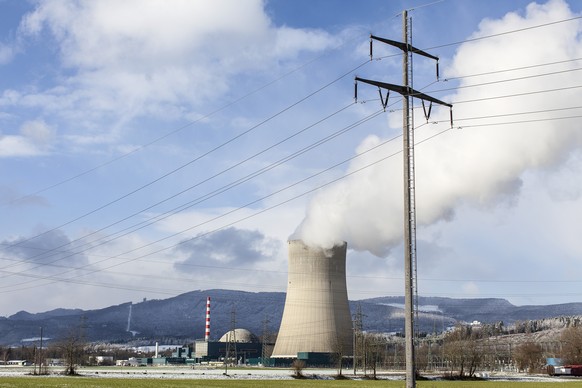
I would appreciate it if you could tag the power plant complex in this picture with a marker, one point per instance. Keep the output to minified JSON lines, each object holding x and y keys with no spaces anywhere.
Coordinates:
{"x":316,"y":325}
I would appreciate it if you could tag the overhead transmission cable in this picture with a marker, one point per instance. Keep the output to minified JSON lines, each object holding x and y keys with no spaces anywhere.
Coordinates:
{"x":506,"y":32}
{"x":223,"y":171}
{"x":505,"y":80}
{"x":232,"y":212}
{"x":463,"y":119}
{"x":207,"y":196}
{"x":249,"y":130}
{"x":511,"y":69}
{"x":337,"y":133}
{"x":243,"y":133}
{"x":214,"y":149}
{"x":242,"y":207}
{"x":468,"y":40}
{"x":518,"y":94}
{"x":239,"y":208}
{"x":530,"y":121}
{"x":109,"y":239}
{"x":179,"y":129}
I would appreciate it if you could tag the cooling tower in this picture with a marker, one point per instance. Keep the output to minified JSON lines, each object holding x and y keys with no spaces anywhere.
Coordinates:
{"x":316,"y":317}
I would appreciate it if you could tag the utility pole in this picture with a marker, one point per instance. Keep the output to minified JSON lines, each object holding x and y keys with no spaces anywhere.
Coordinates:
{"x":407,"y":93}
{"x":357,"y":336}
{"x":265,"y":339}
{"x":40,"y":359}
{"x":409,"y":217}
{"x":231,"y":342}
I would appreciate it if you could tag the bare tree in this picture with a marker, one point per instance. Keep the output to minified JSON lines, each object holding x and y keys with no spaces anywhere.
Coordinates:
{"x":338,"y":355}
{"x":571,"y":340}
{"x":298,"y":366}
{"x":422,"y":355}
{"x":73,"y":348}
{"x":528,"y":356}
{"x":374,"y":347}
{"x":5,"y":353}
{"x":462,"y":352}
{"x":395,"y":353}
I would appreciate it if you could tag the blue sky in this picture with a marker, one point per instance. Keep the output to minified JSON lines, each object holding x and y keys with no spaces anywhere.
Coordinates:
{"x":153,"y":148}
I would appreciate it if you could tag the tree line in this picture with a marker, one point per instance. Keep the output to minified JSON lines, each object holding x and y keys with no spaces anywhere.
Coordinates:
{"x":467,"y":349}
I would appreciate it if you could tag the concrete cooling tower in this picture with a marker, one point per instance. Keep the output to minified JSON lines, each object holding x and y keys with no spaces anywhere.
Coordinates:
{"x":316,"y":317}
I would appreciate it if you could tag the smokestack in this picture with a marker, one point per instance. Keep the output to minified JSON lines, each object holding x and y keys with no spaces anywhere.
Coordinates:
{"x":157,"y":350}
{"x":316,"y":317}
{"x":207,"y":332}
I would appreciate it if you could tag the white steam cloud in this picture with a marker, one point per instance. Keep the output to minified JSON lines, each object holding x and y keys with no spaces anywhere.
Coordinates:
{"x":482,"y":162}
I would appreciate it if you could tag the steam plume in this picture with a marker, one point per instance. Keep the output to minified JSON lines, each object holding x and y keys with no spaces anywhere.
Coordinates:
{"x":475,"y":164}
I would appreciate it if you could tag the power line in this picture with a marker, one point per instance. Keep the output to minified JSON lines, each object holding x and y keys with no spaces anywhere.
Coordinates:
{"x":504,"y":97}
{"x":214,"y":283}
{"x":504,"y":80}
{"x":227,"y":213}
{"x":270,"y":271}
{"x":506,"y":33}
{"x":177,"y":130}
{"x":456,"y":102}
{"x":519,"y":94}
{"x":523,"y":121}
{"x":457,"y":43}
{"x":272,"y":194}
{"x":214,"y":149}
{"x":511,"y":69}
{"x":509,"y":122}
{"x":223,"y":144}
{"x":216,"y":192}
{"x":222,"y":108}
{"x":498,"y":124}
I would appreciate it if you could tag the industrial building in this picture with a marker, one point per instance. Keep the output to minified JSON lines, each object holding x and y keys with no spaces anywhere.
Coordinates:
{"x":240,"y":343}
{"x":316,"y":318}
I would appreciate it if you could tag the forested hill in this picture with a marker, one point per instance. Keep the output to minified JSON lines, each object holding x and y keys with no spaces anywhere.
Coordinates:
{"x":182,"y":318}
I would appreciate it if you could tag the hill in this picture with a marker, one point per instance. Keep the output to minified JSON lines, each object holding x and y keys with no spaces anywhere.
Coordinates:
{"x":182,"y":318}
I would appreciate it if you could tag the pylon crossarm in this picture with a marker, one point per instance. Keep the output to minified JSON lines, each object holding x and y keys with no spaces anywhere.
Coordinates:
{"x":422,"y":96}
{"x":404,"y":91}
{"x":404,"y":47}
{"x":397,"y":88}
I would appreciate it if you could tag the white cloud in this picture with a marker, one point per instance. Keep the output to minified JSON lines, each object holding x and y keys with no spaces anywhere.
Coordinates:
{"x":36,"y":138}
{"x":38,"y":132}
{"x":135,"y":56}
{"x":11,"y":146}
{"x":470,"y":290}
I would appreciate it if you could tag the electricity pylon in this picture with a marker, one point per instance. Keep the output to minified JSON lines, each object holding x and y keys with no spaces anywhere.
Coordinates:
{"x":407,"y":93}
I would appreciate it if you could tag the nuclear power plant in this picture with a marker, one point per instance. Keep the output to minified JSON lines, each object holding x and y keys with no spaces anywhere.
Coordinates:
{"x":316,"y":317}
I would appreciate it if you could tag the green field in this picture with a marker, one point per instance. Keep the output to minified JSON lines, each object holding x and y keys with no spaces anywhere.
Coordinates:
{"x":62,"y":382}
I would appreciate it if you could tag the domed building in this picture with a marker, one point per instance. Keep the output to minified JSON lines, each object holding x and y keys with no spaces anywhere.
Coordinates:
{"x":240,"y":336}
{"x":245,"y":346}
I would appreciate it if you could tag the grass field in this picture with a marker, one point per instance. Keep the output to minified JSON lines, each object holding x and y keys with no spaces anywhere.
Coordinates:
{"x":62,"y":382}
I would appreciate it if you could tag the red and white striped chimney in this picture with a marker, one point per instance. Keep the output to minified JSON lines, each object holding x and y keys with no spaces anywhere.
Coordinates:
{"x":207,"y":332}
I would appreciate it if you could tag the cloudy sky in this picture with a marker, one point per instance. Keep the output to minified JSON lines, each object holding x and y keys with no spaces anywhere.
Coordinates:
{"x":150,"y":148}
